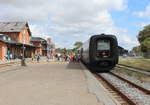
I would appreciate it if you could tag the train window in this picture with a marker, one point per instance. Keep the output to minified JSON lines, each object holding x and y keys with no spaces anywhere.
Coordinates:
{"x":103,"y":45}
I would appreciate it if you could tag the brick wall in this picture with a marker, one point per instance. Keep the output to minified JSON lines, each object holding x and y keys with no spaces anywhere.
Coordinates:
{"x":13,"y":35}
{"x":39,"y":49}
{"x":24,"y":37}
{"x":3,"y":50}
{"x":21,"y":37}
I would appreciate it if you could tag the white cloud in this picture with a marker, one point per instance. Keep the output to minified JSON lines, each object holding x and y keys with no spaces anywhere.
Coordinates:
{"x":143,"y":24}
{"x":38,"y":31}
{"x":67,"y":20}
{"x":128,"y":40}
{"x":69,"y":10}
{"x":145,"y":13}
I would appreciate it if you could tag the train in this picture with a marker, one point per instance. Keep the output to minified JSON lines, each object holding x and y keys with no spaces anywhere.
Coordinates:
{"x":100,"y":52}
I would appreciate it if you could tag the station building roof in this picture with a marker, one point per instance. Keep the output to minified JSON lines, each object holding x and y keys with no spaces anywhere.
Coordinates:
{"x":37,"y":39}
{"x":13,"y":26}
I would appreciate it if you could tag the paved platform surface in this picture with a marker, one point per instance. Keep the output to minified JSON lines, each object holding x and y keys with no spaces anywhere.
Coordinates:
{"x":46,"y":83}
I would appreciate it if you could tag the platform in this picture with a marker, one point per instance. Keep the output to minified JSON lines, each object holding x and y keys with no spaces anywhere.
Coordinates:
{"x":50,"y":83}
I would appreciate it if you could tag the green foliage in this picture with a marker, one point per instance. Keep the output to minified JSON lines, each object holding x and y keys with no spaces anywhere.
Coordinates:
{"x":144,"y":34}
{"x":78,"y":44}
{"x":144,"y":39}
{"x":63,"y":50}
{"x":139,"y":63}
{"x":146,"y":43}
{"x":137,"y":49}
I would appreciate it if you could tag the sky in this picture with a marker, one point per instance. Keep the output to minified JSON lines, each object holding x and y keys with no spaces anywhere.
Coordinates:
{"x":68,"y":21}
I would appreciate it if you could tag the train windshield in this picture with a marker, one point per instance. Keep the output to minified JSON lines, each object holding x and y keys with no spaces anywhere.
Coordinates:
{"x":103,"y":45}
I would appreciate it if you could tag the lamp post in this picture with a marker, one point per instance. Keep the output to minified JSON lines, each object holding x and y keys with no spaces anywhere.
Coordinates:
{"x":23,"y":50}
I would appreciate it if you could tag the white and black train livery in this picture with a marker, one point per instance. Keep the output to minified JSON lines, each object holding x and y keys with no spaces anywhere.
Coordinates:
{"x":100,"y":52}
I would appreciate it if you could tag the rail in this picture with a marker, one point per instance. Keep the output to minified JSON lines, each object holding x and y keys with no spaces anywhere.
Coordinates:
{"x":121,"y":94}
{"x":134,"y":69}
{"x":131,"y":83}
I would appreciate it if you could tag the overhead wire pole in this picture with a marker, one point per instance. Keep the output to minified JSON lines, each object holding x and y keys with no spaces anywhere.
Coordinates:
{"x":23,"y":57}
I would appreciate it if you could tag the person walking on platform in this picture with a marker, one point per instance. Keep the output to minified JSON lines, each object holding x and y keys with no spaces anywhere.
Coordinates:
{"x":48,"y":57}
{"x":11,"y":56}
{"x":66,"y":57}
{"x":38,"y":58}
{"x":79,"y":57}
{"x":32,"y":57}
{"x":58,"y":55}
{"x":8,"y":55}
{"x":72,"y":58}
{"x":75,"y":58}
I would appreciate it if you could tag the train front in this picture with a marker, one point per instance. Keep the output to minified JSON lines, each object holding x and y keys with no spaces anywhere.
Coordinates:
{"x":104,"y":52}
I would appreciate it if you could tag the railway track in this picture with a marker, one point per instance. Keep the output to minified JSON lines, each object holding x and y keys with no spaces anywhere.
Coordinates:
{"x":129,"y":93}
{"x":134,"y":69}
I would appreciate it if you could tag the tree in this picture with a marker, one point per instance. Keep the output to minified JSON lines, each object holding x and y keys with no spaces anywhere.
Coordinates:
{"x":144,"y":34}
{"x":64,"y":50}
{"x":137,"y":50}
{"x":145,"y":45}
{"x":78,"y":44}
{"x":144,"y":39}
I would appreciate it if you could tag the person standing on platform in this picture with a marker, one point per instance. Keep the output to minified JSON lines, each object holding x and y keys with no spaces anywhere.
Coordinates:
{"x":11,"y":56}
{"x":38,"y":58}
{"x":8,"y":55}
{"x":58,"y":56}
{"x":33,"y":57}
{"x":48,"y":57}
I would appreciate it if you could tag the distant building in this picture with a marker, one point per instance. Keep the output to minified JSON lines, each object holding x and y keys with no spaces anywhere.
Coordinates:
{"x":50,"y":44}
{"x":41,"y":45}
{"x":50,"y":47}
{"x":13,"y":36}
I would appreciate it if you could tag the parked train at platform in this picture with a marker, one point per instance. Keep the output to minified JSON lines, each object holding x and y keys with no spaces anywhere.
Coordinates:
{"x":100,"y":52}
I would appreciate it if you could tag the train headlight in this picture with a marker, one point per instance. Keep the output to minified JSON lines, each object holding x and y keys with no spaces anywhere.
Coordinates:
{"x":103,"y":53}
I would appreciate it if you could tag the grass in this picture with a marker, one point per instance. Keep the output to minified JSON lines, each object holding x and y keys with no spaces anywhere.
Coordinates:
{"x":137,"y":75}
{"x":139,"y":63}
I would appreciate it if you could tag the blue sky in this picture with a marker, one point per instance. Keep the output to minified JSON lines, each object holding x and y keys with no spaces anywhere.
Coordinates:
{"x":127,"y":19}
{"x":67,"y":21}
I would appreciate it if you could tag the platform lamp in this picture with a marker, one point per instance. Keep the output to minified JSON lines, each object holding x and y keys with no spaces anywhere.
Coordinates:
{"x":23,"y":50}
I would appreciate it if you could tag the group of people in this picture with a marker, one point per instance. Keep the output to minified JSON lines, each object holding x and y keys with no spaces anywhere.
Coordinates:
{"x":57,"y":56}
{"x":37,"y":57}
{"x":68,"y":57}
{"x":9,"y":57}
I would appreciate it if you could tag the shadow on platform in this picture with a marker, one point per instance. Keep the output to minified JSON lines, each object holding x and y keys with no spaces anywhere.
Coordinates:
{"x":74,"y":66}
{"x":77,"y":66}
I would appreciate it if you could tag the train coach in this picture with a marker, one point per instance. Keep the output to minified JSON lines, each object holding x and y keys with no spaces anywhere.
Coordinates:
{"x":100,"y":52}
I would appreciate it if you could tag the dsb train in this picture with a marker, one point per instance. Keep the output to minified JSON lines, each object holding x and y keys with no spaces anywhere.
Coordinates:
{"x":100,"y":53}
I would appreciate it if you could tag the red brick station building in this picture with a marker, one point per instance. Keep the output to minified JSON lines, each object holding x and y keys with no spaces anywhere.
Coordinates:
{"x":13,"y":35}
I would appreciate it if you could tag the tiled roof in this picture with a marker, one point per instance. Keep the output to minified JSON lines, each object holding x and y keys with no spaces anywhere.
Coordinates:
{"x":12,"y":26}
{"x":37,"y":39}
